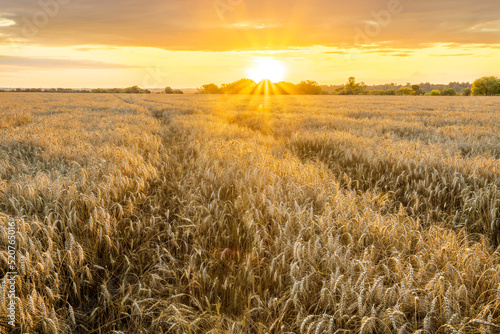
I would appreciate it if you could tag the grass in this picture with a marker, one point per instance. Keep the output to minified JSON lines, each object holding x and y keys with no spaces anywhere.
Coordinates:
{"x":220,"y":214}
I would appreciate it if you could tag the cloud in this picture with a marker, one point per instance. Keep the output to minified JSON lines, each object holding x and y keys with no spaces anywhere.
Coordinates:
{"x":252,"y":24}
{"x":490,"y":26}
{"x":10,"y":62}
{"x":400,"y":55}
{"x":94,"y":48}
{"x":453,"y":55}
{"x":391,"y":52}
{"x":6,"y":22}
{"x":338,"y":52}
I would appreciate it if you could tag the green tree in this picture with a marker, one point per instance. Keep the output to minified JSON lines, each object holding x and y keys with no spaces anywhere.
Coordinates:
{"x":466,"y":91}
{"x":486,"y":86}
{"x":353,"y":88}
{"x":417,"y":90}
{"x":286,"y":88}
{"x":169,"y":90}
{"x":309,"y":87}
{"x":209,"y":89}
{"x":133,"y":90}
{"x":449,"y":92}
{"x":435,"y":92}
{"x":242,"y":86}
{"x":405,"y":91}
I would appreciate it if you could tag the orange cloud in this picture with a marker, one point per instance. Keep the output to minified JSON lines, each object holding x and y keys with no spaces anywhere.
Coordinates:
{"x":223,"y":25}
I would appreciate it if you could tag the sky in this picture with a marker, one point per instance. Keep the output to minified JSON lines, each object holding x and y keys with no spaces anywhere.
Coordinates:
{"x":187,"y":43}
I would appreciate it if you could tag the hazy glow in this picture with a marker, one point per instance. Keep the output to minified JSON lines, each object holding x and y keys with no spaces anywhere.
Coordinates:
{"x":79,"y":67}
{"x":267,"y":69}
{"x":112,"y":43}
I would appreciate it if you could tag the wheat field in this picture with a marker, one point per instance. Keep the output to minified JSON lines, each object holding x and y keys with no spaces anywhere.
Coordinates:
{"x":251,"y":214}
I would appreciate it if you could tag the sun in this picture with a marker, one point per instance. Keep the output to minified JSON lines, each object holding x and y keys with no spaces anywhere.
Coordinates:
{"x":267,"y":69}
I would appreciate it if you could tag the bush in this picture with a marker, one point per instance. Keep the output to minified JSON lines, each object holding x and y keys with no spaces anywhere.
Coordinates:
{"x":435,"y":92}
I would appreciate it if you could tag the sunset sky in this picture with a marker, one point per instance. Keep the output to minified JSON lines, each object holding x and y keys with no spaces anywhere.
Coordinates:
{"x":187,"y":43}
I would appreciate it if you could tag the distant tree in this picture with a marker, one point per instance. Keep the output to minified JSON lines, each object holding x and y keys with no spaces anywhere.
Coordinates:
{"x":169,"y":90}
{"x":286,"y":88}
{"x":449,"y":92}
{"x":426,"y":86}
{"x":417,"y":90}
{"x":242,"y":86}
{"x":435,"y":92}
{"x":458,"y":86}
{"x":356,"y":87}
{"x":65,"y":90}
{"x":466,"y":91}
{"x":486,"y":86}
{"x":405,"y":91}
{"x":423,"y":87}
{"x":342,"y":91}
{"x":309,"y":87}
{"x":132,"y":90}
{"x":209,"y":89}
{"x":352,"y":87}
{"x":391,"y":91}
{"x":330,"y":89}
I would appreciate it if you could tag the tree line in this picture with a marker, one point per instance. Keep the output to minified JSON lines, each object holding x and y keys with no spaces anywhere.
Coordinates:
{"x":391,"y":88}
{"x":128,"y":90}
{"x":482,"y":86}
{"x":486,"y":86}
{"x":248,"y":86}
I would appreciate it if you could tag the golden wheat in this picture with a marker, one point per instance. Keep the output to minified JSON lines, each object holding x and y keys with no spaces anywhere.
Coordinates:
{"x":218,"y":214}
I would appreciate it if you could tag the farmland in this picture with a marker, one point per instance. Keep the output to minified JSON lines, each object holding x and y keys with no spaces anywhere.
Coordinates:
{"x":251,"y":214}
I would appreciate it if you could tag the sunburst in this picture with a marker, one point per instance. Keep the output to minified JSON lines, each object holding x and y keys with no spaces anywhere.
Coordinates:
{"x":267,"y":69}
